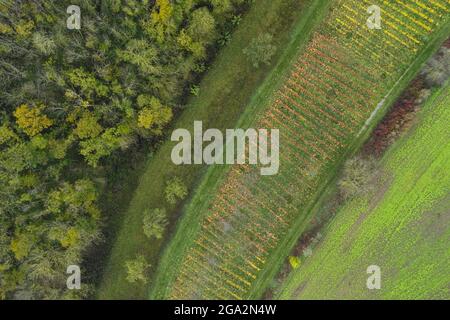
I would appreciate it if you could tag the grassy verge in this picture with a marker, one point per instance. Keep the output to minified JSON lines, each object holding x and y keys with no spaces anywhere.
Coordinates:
{"x":401,"y":225}
{"x":190,"y":223}
{"x":225,"y":91}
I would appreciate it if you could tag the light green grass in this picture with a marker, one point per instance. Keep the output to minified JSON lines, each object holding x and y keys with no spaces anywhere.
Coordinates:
{"x":403,"y":225}
{"x":225,"y":91}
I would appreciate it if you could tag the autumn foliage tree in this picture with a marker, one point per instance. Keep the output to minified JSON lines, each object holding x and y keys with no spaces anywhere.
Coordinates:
{"x":31,"y":120}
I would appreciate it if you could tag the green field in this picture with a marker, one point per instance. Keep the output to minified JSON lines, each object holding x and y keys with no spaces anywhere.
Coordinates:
{"x":240,"y":226}
{"x":402,"y":225}
{"x":225,"y":91}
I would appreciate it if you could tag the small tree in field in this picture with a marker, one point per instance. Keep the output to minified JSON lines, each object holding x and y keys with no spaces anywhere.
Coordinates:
{"x":136,"y":269}
{"x":154,"y":223}
{"x":260,"y":50}
{"x":175,"y":190}
{"x":355,"y":177}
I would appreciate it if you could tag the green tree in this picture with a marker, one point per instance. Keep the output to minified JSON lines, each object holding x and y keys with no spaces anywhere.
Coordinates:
{"x":6,"y":134}
{"x":261,"y":50}
{"x":24,"y":28}
{"x":67,"y":237}
{"x":101,"y":146}
{"x":221,"y":6}
{"x":202,"y":26}
{"x":186,"y":42}
{"x":136,"y":269}
{"x":87,"y":82}
{"x":154,"y":115}
{"x":175,"y":190}
{"x":43,"y":43}
{"x":154,"y":223}
{"x":87,"y":126}
{"x":21,"y":246}
{"x":142,"y":54}
{"x":74,"y":199}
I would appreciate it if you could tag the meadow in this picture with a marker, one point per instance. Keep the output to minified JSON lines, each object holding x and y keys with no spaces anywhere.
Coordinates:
{"x":401,"y":225}
{"x":240,"y":226}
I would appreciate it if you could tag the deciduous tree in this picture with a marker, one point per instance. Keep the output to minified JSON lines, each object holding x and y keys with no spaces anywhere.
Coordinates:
{"x":154,"y":223}
{"x":31,"y":119}
{"x":261,"y":50}
{"x":136,"y":269}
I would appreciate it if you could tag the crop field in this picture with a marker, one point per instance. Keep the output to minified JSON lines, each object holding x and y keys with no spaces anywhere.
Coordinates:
{"x":400,"y":226}
{"x":334,"y":90}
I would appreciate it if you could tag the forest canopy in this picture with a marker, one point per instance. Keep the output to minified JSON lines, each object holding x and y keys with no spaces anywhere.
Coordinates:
{"x":72,"y":100}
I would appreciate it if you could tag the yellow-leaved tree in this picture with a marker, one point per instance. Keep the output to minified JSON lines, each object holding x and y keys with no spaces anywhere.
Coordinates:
{"x":21,"y":246}
{"x":154,"y":115}
{"x":162,"y":12}
{"x":31,"y":119}
{"x":160,"y":20}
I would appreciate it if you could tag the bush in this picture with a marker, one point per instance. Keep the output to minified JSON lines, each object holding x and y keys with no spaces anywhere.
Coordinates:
{"x":136,"y":269}
{"x":261,"y":50}
{"x":154,"y":223}
{"x":294,"y":262}
{"x":307,"y":252}
{"x":175,"y":190}
{"x":437,"y":70}
{"x":355,"y":178}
